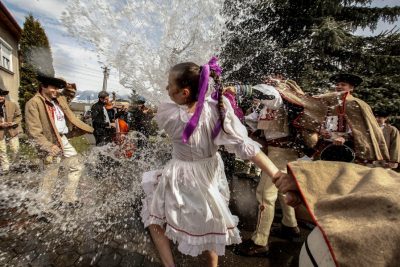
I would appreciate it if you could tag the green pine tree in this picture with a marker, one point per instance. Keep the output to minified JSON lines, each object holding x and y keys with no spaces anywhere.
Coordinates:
{"x":310,"y":40}
{"x":35,"y":56}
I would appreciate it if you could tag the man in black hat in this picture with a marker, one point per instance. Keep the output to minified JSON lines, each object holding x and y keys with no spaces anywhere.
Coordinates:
{"x":104,"y":126}
{"x":10,"y":127}
{"x":141,"y":119}
{"x":352,"y":123}
{"x":48,"y":123}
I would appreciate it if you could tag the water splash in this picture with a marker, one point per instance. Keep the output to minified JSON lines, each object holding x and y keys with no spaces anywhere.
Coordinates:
{"x":143,"y":39}
{"x":107,"y":218}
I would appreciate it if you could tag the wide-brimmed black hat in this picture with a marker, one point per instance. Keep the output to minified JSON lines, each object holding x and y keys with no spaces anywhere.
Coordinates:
{"x":51,"y":80}
{"x":347,"y":78}
{"x":3,"y":91}
{"x":382,"y":113}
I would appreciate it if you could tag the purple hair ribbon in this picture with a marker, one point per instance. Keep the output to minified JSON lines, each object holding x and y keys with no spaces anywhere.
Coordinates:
{"x":203,"y":87}
{"x":237,"y":110}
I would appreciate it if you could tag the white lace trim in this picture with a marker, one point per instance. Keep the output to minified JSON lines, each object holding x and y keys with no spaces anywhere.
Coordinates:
{"x":193,"y":244}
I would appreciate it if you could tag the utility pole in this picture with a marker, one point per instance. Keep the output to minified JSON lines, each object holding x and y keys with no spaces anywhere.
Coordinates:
{"x":106,"y":72}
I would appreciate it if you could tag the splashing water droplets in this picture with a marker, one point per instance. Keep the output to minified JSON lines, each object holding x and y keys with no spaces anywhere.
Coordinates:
{"x":108,"y":214}
{"x":143,"y":39}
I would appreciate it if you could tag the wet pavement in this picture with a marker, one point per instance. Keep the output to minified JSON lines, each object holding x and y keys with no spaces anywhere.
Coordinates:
{"x":105,"y":231}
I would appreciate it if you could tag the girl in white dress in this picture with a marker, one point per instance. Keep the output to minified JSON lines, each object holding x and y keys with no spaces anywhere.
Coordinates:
{"x":187,"y":201}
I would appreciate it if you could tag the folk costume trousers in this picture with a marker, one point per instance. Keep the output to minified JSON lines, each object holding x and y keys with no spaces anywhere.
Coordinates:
{"x":267,"y":195}
{"x":70,"y":161}
{"x":14,"y":148}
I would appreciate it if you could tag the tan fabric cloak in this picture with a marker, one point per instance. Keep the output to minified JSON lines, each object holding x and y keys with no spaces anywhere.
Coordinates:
{"x":368,"y":137}
{"x":356,"y":207}
{"x":392,"y":138}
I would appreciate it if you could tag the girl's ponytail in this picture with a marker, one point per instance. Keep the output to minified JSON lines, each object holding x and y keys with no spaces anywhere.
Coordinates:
{"x":211,"y":69}
{"x":219,"y":88}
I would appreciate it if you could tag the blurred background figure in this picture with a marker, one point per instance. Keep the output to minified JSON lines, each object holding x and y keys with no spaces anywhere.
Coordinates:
{"x":69,"y":92}
{"x":10,"y":127}
{"x":392,"y":138}
{"x":141,"y":120}
{"x":104,"y":127}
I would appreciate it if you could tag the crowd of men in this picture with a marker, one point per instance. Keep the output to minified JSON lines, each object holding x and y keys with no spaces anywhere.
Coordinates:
{"x":50,"y":123}
{"x":290,"y":125}
{"x":331,"y":127}
{"x":106,"y":118}
{"x":335,"y":126}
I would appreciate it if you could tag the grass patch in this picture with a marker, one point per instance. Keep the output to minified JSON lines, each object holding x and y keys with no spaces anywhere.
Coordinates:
{"x":80,"y":143}
{"x":28,"y":151}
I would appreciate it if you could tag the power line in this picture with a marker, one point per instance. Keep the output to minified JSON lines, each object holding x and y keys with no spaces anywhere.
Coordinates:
{"x":61,"y":65}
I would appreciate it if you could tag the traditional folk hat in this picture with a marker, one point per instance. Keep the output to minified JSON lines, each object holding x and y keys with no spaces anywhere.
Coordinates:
{"x":51,"y":80}
{"x":347,"y":78}
{"x":71,"y":87}
{"x":382,"y":113}
{"x":3,"y":91}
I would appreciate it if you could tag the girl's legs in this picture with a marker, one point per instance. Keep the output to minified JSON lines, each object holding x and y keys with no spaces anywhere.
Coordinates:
{"x":162,"y":244}
{"x":212,"y":258}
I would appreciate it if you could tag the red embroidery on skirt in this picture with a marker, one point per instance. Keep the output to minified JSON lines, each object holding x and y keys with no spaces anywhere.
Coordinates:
{"x":180,"y":230}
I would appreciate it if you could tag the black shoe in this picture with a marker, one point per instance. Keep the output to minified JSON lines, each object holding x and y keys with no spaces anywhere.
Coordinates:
{"x":249,"y":249}
{"x":288,"y":233}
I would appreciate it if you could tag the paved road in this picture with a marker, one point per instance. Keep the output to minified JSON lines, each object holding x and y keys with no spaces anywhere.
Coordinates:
{"x":104,"y":231}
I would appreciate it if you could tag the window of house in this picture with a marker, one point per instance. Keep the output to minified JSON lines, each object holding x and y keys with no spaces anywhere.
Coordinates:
{"x":5,"y":55}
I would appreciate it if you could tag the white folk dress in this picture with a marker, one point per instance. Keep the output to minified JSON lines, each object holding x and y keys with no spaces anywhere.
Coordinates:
{"x":190,"y":195}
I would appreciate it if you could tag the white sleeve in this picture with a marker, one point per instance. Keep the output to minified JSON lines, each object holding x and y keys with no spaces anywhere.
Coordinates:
{"x":167,"y":116}
{"x":234,"y":136}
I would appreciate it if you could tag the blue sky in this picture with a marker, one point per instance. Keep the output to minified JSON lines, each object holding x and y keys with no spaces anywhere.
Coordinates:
{"x":72,"y":61}
{"x":77,"y":63}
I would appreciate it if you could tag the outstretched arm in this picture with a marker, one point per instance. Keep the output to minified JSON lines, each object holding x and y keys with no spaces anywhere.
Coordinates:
{"x":266,"y":165}
{"x":287,"y":185}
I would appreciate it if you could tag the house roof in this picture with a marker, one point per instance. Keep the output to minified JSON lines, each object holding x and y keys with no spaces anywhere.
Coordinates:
{"x":9,"y":21}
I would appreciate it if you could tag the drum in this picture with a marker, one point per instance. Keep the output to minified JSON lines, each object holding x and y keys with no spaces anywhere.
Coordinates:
{"x":338,"y":153}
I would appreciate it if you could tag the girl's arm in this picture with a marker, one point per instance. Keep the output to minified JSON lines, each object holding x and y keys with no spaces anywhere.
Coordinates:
{"x":284,"y":182}
{"x":266,"y":165}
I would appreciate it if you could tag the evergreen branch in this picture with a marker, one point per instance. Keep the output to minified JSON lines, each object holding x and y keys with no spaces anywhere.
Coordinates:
{"x":367,"y":16}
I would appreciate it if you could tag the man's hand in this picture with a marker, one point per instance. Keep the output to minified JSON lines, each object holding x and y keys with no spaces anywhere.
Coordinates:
{"x":292,"y":198}
{"x":284,"y":182}
{"x":391,"y":165}
{"x":339,"y":141}
{"x":325,"y":133}
{"x":112,"y":124}
{"x":54,"y":151}
{"x":271,"y":81}
{"x":145,"y":110}
{"x":5,"y":124}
